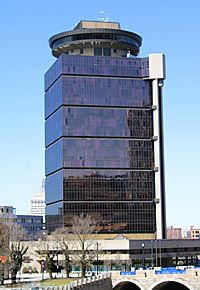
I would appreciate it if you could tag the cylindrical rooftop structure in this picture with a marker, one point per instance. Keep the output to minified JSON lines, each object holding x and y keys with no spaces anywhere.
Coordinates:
{"x":96,"y":38}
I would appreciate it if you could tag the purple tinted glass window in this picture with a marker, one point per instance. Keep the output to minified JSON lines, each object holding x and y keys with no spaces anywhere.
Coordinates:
{"x":97,"y":92}
{"x":105,"y":92}
{"x":107,"y":122}
{"x":106,"y":153}
{"x":94,"y":65}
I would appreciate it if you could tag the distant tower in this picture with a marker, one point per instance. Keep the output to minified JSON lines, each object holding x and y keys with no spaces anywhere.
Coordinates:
{"x":38,"y":202}
{"x":103,"y":132}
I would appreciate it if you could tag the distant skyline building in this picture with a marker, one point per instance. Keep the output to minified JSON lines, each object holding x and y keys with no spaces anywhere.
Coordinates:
{"x":194,"y":233}
{"x":7,"y":211}
{"x":32,"y":224}
{"x":37,"y":206}
{"x":104,"y":132}
{"x":174,"y":233}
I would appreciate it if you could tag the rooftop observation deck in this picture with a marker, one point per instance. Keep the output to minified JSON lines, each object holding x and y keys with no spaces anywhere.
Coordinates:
{"x":95,"y":34}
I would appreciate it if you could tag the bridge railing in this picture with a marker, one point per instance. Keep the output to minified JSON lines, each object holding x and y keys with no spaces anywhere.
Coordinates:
{"x":77,"y":284}
{"x":160,"y":271}
{"x":83,"y":281}
{"x":170,"y":270}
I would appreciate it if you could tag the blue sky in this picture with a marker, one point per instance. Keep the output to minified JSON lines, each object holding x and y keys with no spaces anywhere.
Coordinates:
{"x":167,"y":26}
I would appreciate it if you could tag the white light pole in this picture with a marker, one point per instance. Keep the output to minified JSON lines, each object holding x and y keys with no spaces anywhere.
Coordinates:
{"x":42,"y":269}
{"x":97,"y":258}
{"x":143,"y":259}
{"x":57,"y":266}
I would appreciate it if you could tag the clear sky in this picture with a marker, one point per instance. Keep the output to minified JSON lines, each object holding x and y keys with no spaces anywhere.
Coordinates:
{"x":168,"y":26}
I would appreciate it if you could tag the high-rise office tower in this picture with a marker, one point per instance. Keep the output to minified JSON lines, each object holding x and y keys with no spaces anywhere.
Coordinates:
{"x":104,"y":135}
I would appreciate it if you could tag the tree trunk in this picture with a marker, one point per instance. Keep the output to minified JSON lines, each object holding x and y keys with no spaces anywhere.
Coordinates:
{"x":83,"y":270}
{"x":67,"y":267}
{"x":2,"y":277}
{"x":14,"y":276}
{"x":49,"y":270}
{"x":67,"y":270}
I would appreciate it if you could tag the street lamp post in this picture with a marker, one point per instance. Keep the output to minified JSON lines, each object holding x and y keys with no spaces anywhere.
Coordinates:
{"x":143,"y":259}
{"x":177,"y":262}
{"x":156,"y":250}
{"x":57,"y":261}
{"x":160,"y":253}
{"x":97,"y":258}
{"x":42,"y":269}
{"x":152,"y":258}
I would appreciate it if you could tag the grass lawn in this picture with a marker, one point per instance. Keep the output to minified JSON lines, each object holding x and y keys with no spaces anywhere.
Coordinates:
{"x":56,"y":282}
{"x":45,"y":283}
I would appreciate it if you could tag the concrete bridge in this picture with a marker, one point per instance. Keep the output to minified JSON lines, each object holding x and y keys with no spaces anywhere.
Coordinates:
{"x":149,"y":280}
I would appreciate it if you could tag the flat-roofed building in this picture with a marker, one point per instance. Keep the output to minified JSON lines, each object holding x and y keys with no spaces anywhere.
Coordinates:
{"x":174,"y":233}
{"x":194,"y":233}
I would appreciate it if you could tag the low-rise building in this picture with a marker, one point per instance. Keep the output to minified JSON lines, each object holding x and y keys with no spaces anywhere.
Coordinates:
{"x":32,"y":224}
{"x":117,"y":254}
{"x":194,"y":233}
{"x":174,"y":233}
{"x":7,"y":211}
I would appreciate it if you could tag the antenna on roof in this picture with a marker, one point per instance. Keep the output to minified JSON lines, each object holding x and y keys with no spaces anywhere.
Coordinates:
{"x":102,"y":18}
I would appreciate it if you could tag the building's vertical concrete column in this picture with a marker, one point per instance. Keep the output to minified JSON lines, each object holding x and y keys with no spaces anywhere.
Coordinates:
{"x":157,"y":160}
{"x":157,"y":74}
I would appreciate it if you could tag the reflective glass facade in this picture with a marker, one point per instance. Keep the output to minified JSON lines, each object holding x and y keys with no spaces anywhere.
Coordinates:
{"x":99,"y":122}
{"x":99,"y":143}
{"x":99,"y":153}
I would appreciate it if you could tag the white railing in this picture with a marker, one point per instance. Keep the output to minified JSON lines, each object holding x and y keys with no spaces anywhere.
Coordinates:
{"x":87,"y":280}
{"x":73,"y":285}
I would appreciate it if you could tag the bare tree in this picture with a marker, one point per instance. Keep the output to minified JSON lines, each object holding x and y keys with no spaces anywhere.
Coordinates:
{"x":67,"y":262}
{"x":118,"y":261}
{"x":107,"y":261}
{"x":4,"y":249}
{"x":85,"y":246}
{"x":49,"y":261}
{"x":11,"y":246}
{"x":128,"y":264}
{"x":4,"y":238}
{"x":47,"y":249}
{"x":76,"y":244}
{"x":17,"y":250}
{"x":64,"y":243}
